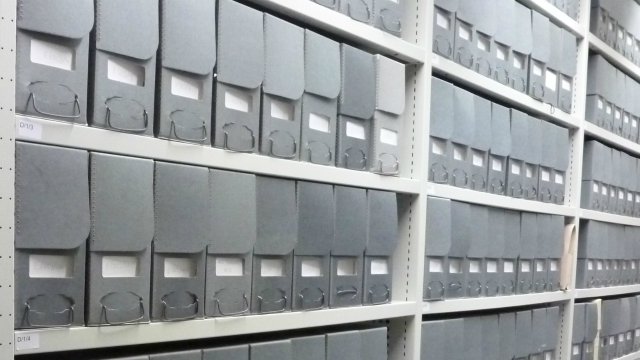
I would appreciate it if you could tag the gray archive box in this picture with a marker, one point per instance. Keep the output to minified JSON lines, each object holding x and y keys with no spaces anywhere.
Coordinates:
{"x":591,"y":329}
{"x":282,"y":88}
{"x":125,"y":48}
{"x":345,"y":345}
{"x":533,"y":153}
{"x":347,"y":250}
{"x":182,"y":232}
{"x":477,"y":17}
{"x":504,"y":40}
{"x":555,"y":250}
{"x":356,"y":106}
{"x":239,"y":352}
{"x":374,"y":344}
{"x":627,"y":104}
{"x":120,"y":242}
{"x":540,"y":55}
{"x":524,"y":331}
{"x":490,"y":337}
{"x":240,"y":72}
{"x":432,"y":342}
{"x":178,"y":355}
{"x":478,"y":243}
{"x":187,"y":59}
{"x":461,"y":138}
{"x":539,"y":331}
{"x":507,"y":331}
{"x":382,"y":239}
{"x":553,"y":65}
{"x":551,"y":331}
{"x":522,"y":48}
{"x":618,"y":101}
{"x":568,"y":70}
{"x":439,"y":224}
{"x":540,"y":264}
{"x":52,"y":227}
{"x":359,"y":10}
{"x":440,"y":130}
{"x":578,"y":331}
{"x":548,"y":159}
{"x":591,"y":175}
{"x":230,"y":254}
{"x":461,"y":233}
{"x":518,"y":154}
{"x":499,"y":150}
{"x":444,"y":19}
{"x":388,"y":15}
{"x":320,"y":100}
{"x":599,"y":83}
{"x":277,"y":232}
{"x":454,"y":336}
{"x":599,"y":24}
{"x":480,"y":145}
{"x":495,"y":251}
{"x":528,"y":245}
{"x":387,"y":135}
{"x":331,"y":4}
{"x":473,"y":338}
{"x":464,"y":34}
{"x":311,"y":256}
{"x":561,"y":165}
{"x":509,"y":263}
{"x":46,"y":85}
{"x":271,"y":350}
{"x":309,"y":347}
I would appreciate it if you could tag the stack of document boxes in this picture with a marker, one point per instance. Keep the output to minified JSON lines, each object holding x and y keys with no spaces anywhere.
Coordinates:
{"x":524,"y":334}
{"x":510,"y":43}
{"x":162,"y":241}
{"x":612,"y":99}
{"x":386,"y":15}
{"x":608,"y":255}
{"x":476,"y":251}
{"x":483,"y":146}
{"x":610,"y":180}
{"x":231,"y":77}
{"x":620,"y":327}
{"x":585,"y":328}
{"x":617,"y":23}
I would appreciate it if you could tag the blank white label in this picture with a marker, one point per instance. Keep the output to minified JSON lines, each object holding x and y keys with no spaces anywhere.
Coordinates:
{"x":617,"y":114}
{"x":637,"y":332}
{"x":596,"y":189}
{"x":229,"y":266}
{"x":525,"y":266}
{"x":629,"y":39}
{"x":507,"y":267}
{"x":464,"y":32}
{"x":50,"y":266}
{"x":545,"y":175}
{"x":355,"y":130}
{"x":346,"y":267}
{"x":443,"y":20}
{"x":548,"y":355}
{"x":389,"y":137}
{"x":379,"y":267}
{"x":626,"y":118}
{"x":179,"y":268}
{"x":604,"y":190}
{"x":50,"y":54}
{"x":438,"y":146}
{"x":620,"y":34}
{"x":609,"y":109}
{"x":600,"y":104}
{"x":501,"y":52}
{"x":515,"y":169}
{"x":599,"y":265}
{"x":496,"y":164}
{"x":477,"y":158}
{"x":311,"y":268}
{"x":539,"y":265}
{"x":186,"y":87}
{"x":612,"y":193}
{"x":319,"y":122}
{"x":620,"y":337}
{"x":590,"y":265}
{"x":633,"y":265}
{"x":614,"y":265}
{"x":455,"y":266}
{"x":459,"y":152}
{"x":634,"y":123}
{"x":624,"y":265}
{"x":27,"y":341}
{"x":576,"y":350}
{"x":610,"y":26}
{"x":629,"y":197}
{"x":607,"y":265}
{"x":281,"y":110}
{"x":518,"y":61}
{"x":484,"y":43}
{"x":620,"y":195}
{"x":629,"y":335}
{"x":125,"y":71}
{"x":612,"y":340}
{"x":271,"y":267}
{"x":474,"y":266}
{"x":551,"y":80}
{"x":537,"y":69}
{"x":119,"y":266}
{"x":553,"y":265}
{"x":436,"y":266}
{"x":528,"y":171}
{"x":559,"y":179}
{"x":492,"y":266}
{"x":566,"y":84}
{"x":237,"y":100}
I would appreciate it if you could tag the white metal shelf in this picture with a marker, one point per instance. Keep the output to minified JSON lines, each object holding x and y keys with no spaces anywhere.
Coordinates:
{"x":609,"y":218}
{"x":343,"y":26}
{"x":618,"y":60}
{"x":606,"y":291}
{"x":469,"y":78}
{"x":78,"y":338}
{"x":96,"y":139}
{"x":500,"y":201}
{"x":611,"y":139}
{"x":556,"y":15}
{"x":491,"y":303}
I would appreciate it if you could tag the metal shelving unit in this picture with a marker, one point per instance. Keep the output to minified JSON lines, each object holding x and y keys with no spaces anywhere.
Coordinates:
{"x":607,"y":291}
{"x":491,"y":303}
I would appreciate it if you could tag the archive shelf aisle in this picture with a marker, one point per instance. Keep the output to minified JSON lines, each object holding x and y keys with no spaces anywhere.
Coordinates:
{"x":405,"y":312}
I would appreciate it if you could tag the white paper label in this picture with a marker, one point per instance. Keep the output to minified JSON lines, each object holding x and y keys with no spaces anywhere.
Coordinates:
{"x":624,"y":265}
{"x":518,"y":61}
{"x":389,"y":137}
{"x":620,"y":337}
{"x":477,"y":158}
{"x":604,"y":191}
{"x":553,"y":265}
{"x":525,"y":266}
{"x":271,"y":267}
{"x":186,"y":87}
{"x":281,"y":110}
{"x":576,"y":350}
{"x":237,"y":100}
{"x":634,"y":123}
{"x":612,"y":340}
{"x":438,"y":146}
{"x":528,"y":171}
{"x":566,"y":84}
{"x":436,"y":265}
{"x":629,"y":335}
{"x":319,"y":122}
{"x":28,"y":129}
{"x":492,"y":266}
{"x":607,"y":265}
{"x":537,"y":69}
{"x":617,"y":114}
{"x":50,"y":266}
{"x":540,"y":265}
{"x":455,"y":266}
{"x":629,"y":39}
{"x":229,"y":266}
{"x":610,"y":26}
{"x":629,"y":197}
{"x":459,"y":152}
{"x":443,"y":20}
{"x":474,"y":266}
{"x":179,"y":268}
{"x":609,"y":109}
{"x":551,"y":80}
{"x":125,"y":71}
{"x":596,"y":189}
{"x":590,"y":265}
{"x":626,"y":118}
{"x":355,"y":130}
{"x":464,"y":32}
{"x":599,"y":265}
{"x":27,"y":341}
{"x":515,"y":169}
{"x":614,"y":265}
{"x":347,"y":267}
{"x":119,"y":266}
{"x":637,"y":198}
{"x":379,"y":267}
{"x":496,"y":164}
{"x":484,"y":43}
{"x":637,"y":332}
{"x":545,"y":175}
{"x":620,"y":195}
{"x":600,"y":104}
{"x":501,"y":52}
{"x":50,"y":54}
{"x":311,"y":268}
{"x":620,"y":34}
{"x":559,"y":179}
{"x":507,"y":267}
{"x":548,"y":355}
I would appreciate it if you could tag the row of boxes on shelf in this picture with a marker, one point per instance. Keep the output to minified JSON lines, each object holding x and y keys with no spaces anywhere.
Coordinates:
{"x":170,"y":241}
{"x":612,"y":99}
{"x":265,"y":85}
{"x":569,"y":7}
{"x":610,"y":180}
{"x":484,"y":146}
{"x":527,"y":334}
{"x":475,"y":250}
{"x":608,"y":255}
{"x":386,"y":15}
{"x":619,"y":327}
{"x":510,"y":43}
{"x":585,"y":331}
{"x":364,"y":344}
{"x":617,"y":23}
